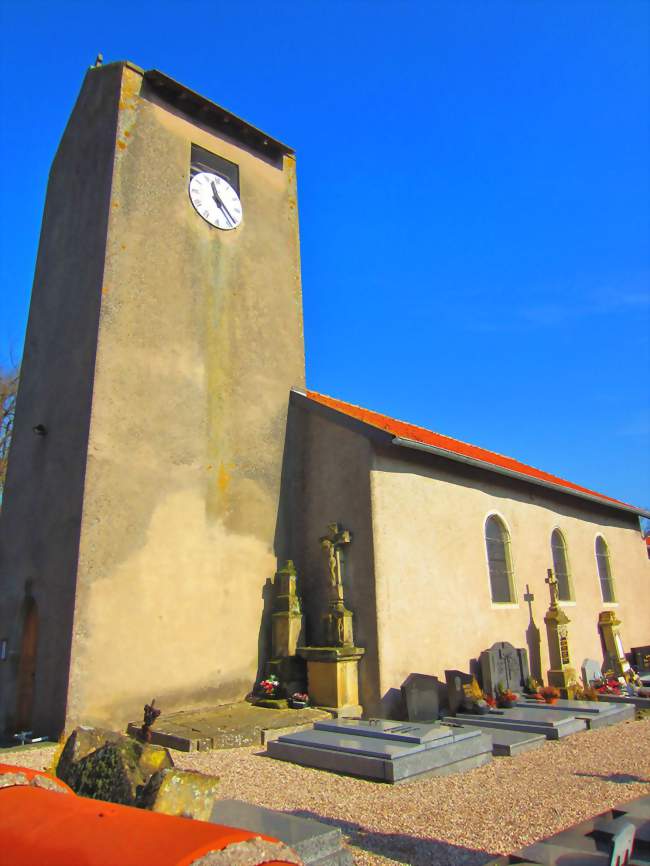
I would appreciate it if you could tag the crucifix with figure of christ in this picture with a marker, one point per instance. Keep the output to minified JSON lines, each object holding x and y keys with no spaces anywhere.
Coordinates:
{"x":333,"y":544}
{"x":551,"y":579}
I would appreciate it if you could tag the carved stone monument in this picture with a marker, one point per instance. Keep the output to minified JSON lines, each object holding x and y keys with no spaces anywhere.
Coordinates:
{"x":503,"y":663}
{"x":286,"y":632}
{"x":561,"y":674}
{"x":613,"y":651}
{"x":287,"y":615}
{"x":332,"y":669}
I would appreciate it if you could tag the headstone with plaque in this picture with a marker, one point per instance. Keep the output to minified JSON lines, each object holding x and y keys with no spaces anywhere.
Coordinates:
{"x":591,"y":672}
{"x":506,"y":665}
{"x":455,"y":694}
{"x":422,"y":696}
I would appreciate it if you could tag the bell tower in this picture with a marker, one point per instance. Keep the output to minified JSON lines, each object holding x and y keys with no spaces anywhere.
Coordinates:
{"x":143,"y":508}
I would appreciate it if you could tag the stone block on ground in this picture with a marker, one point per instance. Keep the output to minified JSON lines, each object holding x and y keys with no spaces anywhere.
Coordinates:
{"x":81,"y":742}
{"x":314,"y":842}
{"x":114,"y":768}
{"x":180,"y":792}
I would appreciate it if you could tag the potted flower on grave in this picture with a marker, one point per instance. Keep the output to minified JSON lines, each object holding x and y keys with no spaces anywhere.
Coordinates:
{"x":473,"y":700}
{"x":505,"y":697}
{"x":298,"y":700}
{"x":270,"y":686}
{"x":490,"y":700}
{"x":531,"y":686}
{"x":550,"y":694}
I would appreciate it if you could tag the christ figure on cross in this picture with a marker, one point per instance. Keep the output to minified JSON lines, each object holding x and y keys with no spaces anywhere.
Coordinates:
{"x":333,"y":543}
{"x":552,"y":585}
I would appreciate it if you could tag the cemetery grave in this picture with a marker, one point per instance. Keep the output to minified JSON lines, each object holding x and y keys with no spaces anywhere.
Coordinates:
{"x":384,"y":750}
{"x":547,"y":722}
{"x":594,"y":713}
{"x":618,"y":836}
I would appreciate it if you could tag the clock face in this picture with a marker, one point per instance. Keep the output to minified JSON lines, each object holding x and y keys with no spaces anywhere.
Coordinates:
{"x":215,"y":200}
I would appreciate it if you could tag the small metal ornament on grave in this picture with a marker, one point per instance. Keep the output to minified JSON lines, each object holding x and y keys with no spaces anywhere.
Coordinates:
{"x":151,"y":713}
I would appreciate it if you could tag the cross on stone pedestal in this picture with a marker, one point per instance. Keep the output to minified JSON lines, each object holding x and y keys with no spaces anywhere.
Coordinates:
{"x":333,"y":543}
{"x":552,"y":585}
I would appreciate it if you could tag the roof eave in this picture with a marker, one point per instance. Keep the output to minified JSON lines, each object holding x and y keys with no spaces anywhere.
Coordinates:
{"x":511,"y":473}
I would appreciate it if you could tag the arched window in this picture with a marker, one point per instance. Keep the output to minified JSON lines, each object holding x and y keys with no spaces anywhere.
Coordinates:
{"x":604,"y":570}
{"x":561,"y":565}
{"x":497,"y":541}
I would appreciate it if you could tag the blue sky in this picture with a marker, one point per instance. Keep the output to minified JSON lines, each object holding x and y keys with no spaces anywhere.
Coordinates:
{"x":473,"y":188}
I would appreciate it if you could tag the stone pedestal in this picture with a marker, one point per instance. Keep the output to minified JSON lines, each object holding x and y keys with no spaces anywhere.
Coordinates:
{"x":287,"y":617}
{"x":338,"y":626}
{"x":561,"y":674}
{"x":612,"y":644}
{"x":333,"y":678}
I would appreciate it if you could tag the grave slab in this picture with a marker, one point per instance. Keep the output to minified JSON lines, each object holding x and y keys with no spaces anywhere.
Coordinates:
{"x":507,"y":744}
{"x":636,"y":701}
{"x":639,"y":807}
{"x":552,"y":724}
{"x":547,"y":854}
{"x":317,"y":844}
{"x":596,"y":714}
{"x":385,"y":729}
{"x":359,"y":749}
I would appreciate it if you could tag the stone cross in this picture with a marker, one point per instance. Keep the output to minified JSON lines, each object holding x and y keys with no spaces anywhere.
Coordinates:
{"x":333,"y":543}
{"x":552,"y":585}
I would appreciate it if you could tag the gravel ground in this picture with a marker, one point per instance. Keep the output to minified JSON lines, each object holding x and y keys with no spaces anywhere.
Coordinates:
{"x":462,"y":819}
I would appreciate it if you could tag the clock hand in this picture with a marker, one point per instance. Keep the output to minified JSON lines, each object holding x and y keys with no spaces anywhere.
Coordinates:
{"x":220,"y":202}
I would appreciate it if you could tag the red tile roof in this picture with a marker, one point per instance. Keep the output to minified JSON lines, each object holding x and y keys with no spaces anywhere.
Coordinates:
{"x":404,"y":430}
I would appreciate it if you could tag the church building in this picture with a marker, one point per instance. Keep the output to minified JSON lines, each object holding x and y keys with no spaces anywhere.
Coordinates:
{"x":168,"y":459}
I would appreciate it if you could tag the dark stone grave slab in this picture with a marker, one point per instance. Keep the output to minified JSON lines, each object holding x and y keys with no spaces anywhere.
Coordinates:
{"x":456,"y":696}
{"x":423,"y":695}
{"x":385,"y":729}
{"x":596,"y":714}
{"x":635,"y":700}
{"x":639,"y":807}
{"x":384,"y":750}
{"x":506,"y":743}
{"x":317,"y":844}
{"x":552,"y":724}
{"x":504,"y":663}
{"x":547,"y":854}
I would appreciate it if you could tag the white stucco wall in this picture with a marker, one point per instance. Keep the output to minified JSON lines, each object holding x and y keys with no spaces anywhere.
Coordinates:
{"x":434,"y":604}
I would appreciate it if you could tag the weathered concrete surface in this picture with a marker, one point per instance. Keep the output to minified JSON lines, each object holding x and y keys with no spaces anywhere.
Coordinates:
{"x":160,"y":354}
{"x":180,"y":792}
{"x":228,"y":727}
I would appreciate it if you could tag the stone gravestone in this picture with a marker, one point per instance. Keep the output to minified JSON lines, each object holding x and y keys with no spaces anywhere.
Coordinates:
{"x":422,"y":694}
{"x":590,"y":671}
{"x":504,"y":663}
{"x":455,"y":681}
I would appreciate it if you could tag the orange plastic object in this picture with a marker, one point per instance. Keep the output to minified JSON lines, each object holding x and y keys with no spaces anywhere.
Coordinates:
{"x":26,"y":771}
{"x":43,"y":828}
